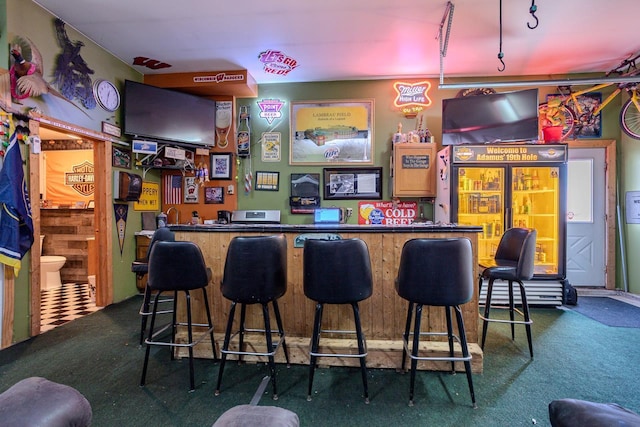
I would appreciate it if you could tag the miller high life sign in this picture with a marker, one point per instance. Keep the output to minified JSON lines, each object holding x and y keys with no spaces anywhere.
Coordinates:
{"x":411,"y":98}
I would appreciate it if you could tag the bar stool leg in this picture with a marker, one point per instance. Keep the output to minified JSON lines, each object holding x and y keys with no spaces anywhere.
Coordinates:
{"x":512,"y":307}
{"x":487,"y":308}
{"x":225,"y":346}
{"x":414,"y":351}
{"x":276,"y":312}
{"x":174,"y":321}
{"x":267,"y":333}
{"x":243,"y":312}
{"x":447,"y":311}
{"x":465,"y":353}
{"x":361,"y":350}
{"x":210,"y":322}
{"x":148,"y":349}
{"x":405,"y":336}
{"x":190,"y":334}
{"x":146,"y":302}
{"x":315,"y":343}
{"x":527,"y":318}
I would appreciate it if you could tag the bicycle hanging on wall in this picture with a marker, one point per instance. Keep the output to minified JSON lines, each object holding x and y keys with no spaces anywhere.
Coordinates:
{"x":566,"y":108}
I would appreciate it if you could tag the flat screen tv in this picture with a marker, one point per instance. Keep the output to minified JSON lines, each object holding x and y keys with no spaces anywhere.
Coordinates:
{"x":167,"y":115}
{"x":497,"y":117}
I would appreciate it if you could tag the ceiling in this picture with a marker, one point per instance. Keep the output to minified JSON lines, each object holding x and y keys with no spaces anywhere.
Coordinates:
{"x":360,"y":39}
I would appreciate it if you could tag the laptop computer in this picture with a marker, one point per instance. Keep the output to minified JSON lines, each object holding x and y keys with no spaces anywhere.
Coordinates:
{"x":326,"y":216}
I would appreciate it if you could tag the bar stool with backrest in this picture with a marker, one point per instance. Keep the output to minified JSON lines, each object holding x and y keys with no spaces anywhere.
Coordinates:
{"x":178,"y":267}
{"x":255,"y":272}
{"x":337,"y":272}
{"x":436,"y":272}
{"x":141,"y":268}
{"x":514,"y":258}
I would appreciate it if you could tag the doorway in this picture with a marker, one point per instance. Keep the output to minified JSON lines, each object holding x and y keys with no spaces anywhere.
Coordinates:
{"x":590,"y":219}
{"x":102,"y":217}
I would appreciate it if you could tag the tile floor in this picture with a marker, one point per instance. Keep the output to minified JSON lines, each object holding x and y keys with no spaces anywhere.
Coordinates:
{"x":61,"y":305}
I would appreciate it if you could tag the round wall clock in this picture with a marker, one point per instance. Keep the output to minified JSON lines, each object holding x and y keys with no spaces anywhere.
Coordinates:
{"x":106,"y":94}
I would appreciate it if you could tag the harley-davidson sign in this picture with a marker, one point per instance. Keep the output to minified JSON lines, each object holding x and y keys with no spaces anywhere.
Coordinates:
{"x":81,"y":179}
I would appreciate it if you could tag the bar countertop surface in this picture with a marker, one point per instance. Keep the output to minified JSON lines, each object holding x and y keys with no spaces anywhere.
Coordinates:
{"x":338,"y":228}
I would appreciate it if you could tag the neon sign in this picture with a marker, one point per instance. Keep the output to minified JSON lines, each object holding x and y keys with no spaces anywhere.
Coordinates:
{"x":411,"y":98}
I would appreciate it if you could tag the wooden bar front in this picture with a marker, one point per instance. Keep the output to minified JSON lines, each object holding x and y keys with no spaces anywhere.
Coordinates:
{"x":383,"y":314}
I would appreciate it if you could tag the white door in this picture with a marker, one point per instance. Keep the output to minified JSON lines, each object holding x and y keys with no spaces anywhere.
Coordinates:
{"x":586,"y":221}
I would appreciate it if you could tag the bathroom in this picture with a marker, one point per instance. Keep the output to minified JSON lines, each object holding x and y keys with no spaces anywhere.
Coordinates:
{"x":66,"y":222}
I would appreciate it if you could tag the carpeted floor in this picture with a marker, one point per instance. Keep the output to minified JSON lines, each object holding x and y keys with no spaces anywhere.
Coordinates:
{"x":609,"y":311}
{"x":99,"y":355}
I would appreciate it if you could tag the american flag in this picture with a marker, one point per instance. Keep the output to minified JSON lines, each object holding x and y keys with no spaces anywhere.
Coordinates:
{"x":172,"y":189}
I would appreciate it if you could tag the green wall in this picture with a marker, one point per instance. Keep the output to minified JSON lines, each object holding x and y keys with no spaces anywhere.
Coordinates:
{"x":41,"y":30}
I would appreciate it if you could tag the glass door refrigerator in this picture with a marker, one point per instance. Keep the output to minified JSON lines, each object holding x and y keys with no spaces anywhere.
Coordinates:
{"x":498,"y":186}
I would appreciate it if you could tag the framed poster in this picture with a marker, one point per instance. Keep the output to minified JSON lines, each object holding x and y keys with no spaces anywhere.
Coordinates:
{"x":331,"y":132}
{"x":121,"y":157}
{"x":352,"y":183}
{"x":220,"y":166}
{"x":213,"y":195}
{"x":267,"y":181}
{"x":190,"y":190}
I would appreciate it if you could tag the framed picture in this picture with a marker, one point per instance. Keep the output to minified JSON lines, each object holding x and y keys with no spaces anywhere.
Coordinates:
{"x":352,"y":183}
{"x":587,"y":124}
{"x":190,"y":190}
{"x":220,"y":166}
{"x":213,"y":195}
{"x":305,"y":193}
{"x":331,"y":132}
{"x":121,"y":157}
{"x":267,"y":181}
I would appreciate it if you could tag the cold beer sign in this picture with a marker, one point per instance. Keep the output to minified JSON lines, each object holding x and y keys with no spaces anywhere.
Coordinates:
{"x":387,"y":213}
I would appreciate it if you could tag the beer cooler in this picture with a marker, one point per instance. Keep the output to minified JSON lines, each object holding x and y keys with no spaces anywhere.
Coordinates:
{"x":499,"y":186}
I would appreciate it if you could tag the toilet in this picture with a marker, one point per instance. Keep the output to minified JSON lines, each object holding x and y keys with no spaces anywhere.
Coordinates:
{"x":50,"y":266}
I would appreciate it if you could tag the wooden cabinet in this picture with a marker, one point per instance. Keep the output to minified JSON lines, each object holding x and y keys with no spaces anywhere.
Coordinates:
{"x":414,"y":172}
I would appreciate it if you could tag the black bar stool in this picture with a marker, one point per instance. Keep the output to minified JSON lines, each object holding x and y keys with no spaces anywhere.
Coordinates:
{"x":515,"y":259}
{"x":255,"y":272}
{"x":337,"y":272}
{"x":178,"y":267}
{"x":141,"y":268}
{"x":436,"y":272}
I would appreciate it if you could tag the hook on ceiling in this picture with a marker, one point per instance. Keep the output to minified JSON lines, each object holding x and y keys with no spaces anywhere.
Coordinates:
{"x":532,"y":10}
{"x":500,"y":53}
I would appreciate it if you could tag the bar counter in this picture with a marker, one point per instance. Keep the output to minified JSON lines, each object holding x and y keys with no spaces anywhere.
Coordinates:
{"x":383,"y":314}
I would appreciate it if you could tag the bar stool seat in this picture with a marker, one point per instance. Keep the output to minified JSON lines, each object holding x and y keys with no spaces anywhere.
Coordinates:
{"x":337,"y":272}
{"x":141,"y":268}
{"x":515,"y":259}
{"x":178,"y":267}
{"x":255,"y":272}
{"x":436,"y":272}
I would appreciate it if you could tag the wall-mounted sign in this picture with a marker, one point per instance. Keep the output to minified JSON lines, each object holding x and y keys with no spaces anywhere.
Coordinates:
{"x":387,"y":213}
{"x":411,"y":98}
{"x":219,"y":78}
{"x":271,"y":142}
{"x":144,"y":147}
{"x":149,"y":198}
{"x":270,"y":109}
{"x":276,"y":62}
{"x":500,"y":153}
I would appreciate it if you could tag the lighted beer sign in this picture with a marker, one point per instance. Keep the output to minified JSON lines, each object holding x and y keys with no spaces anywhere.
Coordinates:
{"x":411,"y":98}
